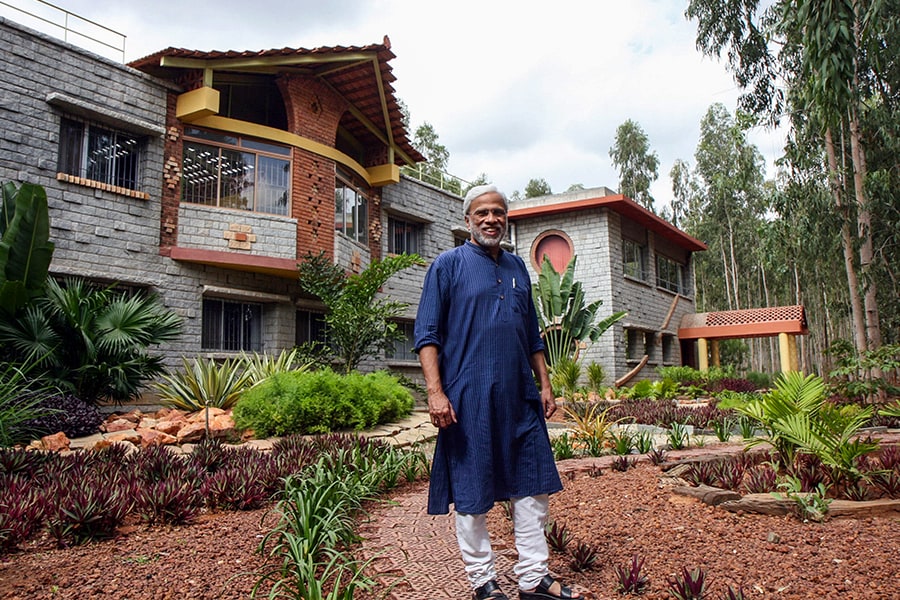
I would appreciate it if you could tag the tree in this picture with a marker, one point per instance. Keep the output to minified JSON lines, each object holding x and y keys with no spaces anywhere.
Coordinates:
{"x":537,"y":187}
{"x":437,"y":159}
{"x":359,"y":324}
{"x":835,"y":61}
{"x":728,"y":204}
{"x":638,"y":167}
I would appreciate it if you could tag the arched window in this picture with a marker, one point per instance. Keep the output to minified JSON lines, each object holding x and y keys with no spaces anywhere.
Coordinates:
{"x":557,"y":246}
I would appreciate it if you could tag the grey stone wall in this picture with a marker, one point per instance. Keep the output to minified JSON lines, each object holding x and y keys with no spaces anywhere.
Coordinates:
{"x":208,"y":228}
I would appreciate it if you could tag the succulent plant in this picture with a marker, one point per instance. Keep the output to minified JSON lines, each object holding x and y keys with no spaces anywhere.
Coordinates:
{"x":558,"y":536}
{"x":689,"y":585}
{"x":630,"y":580}
{"x":583,"y":557}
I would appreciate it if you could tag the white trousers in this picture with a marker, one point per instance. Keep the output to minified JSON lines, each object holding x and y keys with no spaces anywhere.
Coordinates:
{"x":529,"y":516}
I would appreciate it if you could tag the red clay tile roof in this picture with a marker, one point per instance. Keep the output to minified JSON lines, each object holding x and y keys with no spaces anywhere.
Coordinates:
{"x":350,"y":70}
{"x":746,"y":323}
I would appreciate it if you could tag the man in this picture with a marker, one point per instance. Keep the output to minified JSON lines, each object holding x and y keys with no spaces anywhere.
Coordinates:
{"x":480,"y":348}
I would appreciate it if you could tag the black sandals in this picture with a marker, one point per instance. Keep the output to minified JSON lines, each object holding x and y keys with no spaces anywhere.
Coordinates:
{"x":489,"y":591}
{"x":542,"y":591}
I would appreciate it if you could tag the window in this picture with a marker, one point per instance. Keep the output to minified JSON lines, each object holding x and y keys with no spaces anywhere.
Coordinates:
{"x":310,"y":327}
{"x":351,"y":216}
{"x":556,"y":246}
{"x":403,"y":236}
{"x":234,"y":172}
{"x":633,"y":261}
{"x":669,"y":274}
{"x":231,"y":326}
{"x":403,"y":349}
{"x":99,"y":154}
{"x":638,"y":343}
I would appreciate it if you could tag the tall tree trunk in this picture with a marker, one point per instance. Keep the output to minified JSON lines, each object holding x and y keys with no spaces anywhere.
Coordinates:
{"x":864,"y":228}
{"x":856,"y":307}
{"x":726,"y":272}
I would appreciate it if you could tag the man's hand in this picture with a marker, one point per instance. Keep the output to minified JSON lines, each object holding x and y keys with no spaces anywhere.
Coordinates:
{"x":548,"y":401}
{"x":440,"y":409}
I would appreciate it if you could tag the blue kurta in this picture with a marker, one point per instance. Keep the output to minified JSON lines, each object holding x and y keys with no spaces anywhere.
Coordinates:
{"x":479,"y":314}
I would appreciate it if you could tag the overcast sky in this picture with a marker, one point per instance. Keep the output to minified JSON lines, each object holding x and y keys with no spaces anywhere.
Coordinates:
{"x":514,"y":89}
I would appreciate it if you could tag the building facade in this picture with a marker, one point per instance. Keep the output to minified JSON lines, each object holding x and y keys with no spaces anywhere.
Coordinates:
{"x":206,"y":178}
{"x":626,"y":256}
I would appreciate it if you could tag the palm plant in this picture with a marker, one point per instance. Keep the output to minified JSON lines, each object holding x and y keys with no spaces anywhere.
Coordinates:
{"x":792,"y":395}
{"x":90,"y":341}
{"x":565,"y":321}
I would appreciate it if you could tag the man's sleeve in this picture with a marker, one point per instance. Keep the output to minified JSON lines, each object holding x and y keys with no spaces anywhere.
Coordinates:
{"x":429,"y":318}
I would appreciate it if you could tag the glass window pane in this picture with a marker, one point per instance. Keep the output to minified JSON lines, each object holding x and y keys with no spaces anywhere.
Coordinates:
{"x":71,"y":138}
{"x":126,"y":161}
{"x":362,"y":220}
{"x":339,"y":219}
{"x":211,"y":336}
{"x":273,"y":185}
{"x":100,"y":154}
{"x":200,"y":174}
{"x":236,"y":179}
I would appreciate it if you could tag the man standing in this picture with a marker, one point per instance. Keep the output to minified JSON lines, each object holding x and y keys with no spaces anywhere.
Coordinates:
{"x":478,"y":341}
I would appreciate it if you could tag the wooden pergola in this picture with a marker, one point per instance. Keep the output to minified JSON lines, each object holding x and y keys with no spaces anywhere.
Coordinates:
{"x":786,"y":322}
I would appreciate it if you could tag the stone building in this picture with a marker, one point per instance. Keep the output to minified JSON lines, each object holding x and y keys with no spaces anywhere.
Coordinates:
{"x":628,"y":257}
{"x":206,"y":176}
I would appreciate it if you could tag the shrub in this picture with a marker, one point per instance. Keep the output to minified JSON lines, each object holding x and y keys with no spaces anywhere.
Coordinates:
{"x":320,"y":402}
{"x":66,"y":413}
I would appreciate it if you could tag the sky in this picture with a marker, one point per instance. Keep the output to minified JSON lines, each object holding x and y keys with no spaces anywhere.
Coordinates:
{"x":517,"y":90}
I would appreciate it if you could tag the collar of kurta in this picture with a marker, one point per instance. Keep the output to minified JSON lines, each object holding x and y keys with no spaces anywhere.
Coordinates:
{"x":483,"y":251}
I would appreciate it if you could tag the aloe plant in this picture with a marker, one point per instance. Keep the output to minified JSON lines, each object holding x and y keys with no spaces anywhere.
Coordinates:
{"x":565,"y":321}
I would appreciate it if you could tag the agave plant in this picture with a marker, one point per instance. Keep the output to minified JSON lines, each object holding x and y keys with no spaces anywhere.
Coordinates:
{"x":204,"y":383}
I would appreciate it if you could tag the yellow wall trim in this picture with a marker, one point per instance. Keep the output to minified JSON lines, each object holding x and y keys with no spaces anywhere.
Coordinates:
{"x":375,"y":176}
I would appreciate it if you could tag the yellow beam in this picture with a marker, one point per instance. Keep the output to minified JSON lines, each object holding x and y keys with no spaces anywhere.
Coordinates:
{"x":376,"y":176}
{"x":197,"y":104}
{"x":703,"y":354}
{"x":715,"y":354}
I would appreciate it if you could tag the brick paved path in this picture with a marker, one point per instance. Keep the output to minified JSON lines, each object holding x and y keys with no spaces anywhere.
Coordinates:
{"x":417,"y":553}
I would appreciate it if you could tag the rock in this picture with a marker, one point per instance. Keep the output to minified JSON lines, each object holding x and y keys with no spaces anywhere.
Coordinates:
{"x":151,"y":437}
{"x":192,"y":432}
{"x":55,"y":443}
{"x":170,"y":427}
{"x":130,"y":436}
{"x":117,"y":424}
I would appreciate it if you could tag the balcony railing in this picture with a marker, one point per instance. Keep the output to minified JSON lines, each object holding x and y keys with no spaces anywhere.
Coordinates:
{"x":58,"y":22}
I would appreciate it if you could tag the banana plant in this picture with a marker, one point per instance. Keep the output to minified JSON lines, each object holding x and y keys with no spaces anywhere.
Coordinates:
{"x":566,"y":323}
{"x":25,"y":246}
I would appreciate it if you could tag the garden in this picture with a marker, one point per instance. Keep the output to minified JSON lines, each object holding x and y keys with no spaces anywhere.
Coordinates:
{"x":226,"y":520}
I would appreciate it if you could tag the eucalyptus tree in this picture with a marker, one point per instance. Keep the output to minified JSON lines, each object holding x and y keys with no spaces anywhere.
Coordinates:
{"x":825,"y":63}
{"x":728,"y":203}
{"x":638,"y":166}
